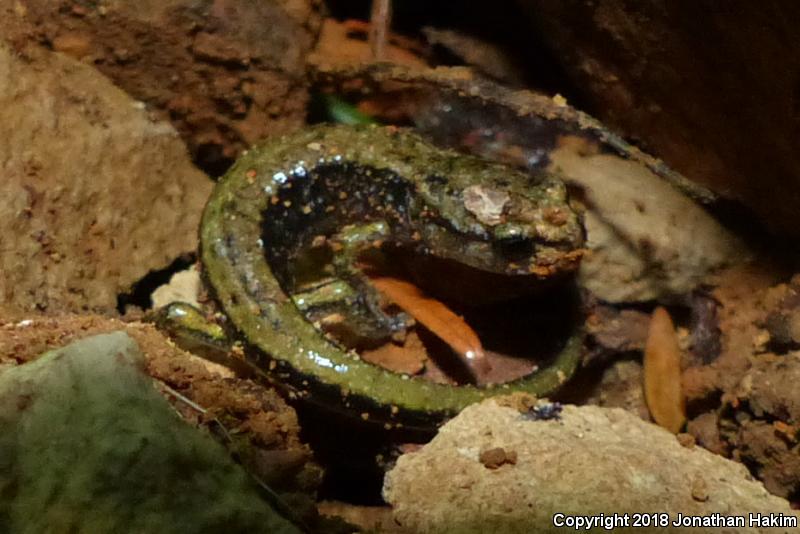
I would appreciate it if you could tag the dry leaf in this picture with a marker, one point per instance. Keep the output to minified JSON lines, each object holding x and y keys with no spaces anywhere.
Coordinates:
{"x":662,"y":373}
{"x":437,"y":318}
{"x":408,"y":358}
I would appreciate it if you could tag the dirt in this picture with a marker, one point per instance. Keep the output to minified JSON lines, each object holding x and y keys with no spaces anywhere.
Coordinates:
{"x":368,"y":518}
{"x":617,"y":330}
{"x":741,"y":294}
{"x":760,"y":417}
{"x":705,"y":429}
{"x":410,"y":357}
{"x":745,"y":404}
{"x":740,"y":366}
{"x":226,"y":73}
{"x":345,"y":43}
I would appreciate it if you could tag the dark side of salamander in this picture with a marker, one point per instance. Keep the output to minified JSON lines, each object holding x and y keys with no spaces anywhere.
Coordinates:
{"x":323,"y":198}
{"x":318,"y":182}
{"x":327,"y":197}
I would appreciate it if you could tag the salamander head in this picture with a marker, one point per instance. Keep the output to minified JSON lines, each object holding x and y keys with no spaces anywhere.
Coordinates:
{"x":496,"y":219}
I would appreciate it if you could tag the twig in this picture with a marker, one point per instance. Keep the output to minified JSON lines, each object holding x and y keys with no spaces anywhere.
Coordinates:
{"x":380,"y":21}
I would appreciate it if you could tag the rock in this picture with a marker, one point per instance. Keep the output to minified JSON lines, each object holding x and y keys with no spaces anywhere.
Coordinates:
{"x":713,"y":92}
{"x":262,"y":428}
{"x":226,"y":73}
{"x":591,"y":460}
{"x":88,"y":445}
{"x":95,"y":194}
{"x":646,"y":239}
{"x":184,"y":286}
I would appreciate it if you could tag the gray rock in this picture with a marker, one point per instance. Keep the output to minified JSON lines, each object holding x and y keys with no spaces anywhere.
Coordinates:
{"x":87,"y":445}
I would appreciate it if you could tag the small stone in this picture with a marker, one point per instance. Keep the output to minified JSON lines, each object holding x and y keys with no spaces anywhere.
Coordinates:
{"x":72,"y":44}
{"x":497,"y":457}
{"x":700,"y":490}
{"x":686,"y":440}
{"x":184,"y":286}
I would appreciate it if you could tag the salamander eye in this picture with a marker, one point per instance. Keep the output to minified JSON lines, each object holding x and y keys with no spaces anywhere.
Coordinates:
{"x":515,"y":247}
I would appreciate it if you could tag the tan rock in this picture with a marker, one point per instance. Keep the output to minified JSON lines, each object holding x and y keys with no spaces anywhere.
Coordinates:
{"x":95,"y":194}
{"x":646,"y":239}
{"x":184,"y":286}
{"x":590,"y":461}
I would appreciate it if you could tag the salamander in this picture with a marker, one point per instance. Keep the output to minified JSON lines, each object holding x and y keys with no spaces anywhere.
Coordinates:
{"x":375,"y":186}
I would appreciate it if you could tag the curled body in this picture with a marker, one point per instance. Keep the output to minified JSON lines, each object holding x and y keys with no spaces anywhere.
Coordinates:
{"x":362,"y":187}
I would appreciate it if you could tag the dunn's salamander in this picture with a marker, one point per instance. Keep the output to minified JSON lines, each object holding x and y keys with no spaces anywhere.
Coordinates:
{"x":280,"y":196}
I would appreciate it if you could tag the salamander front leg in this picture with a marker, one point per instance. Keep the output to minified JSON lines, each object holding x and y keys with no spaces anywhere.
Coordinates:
{"x":349,"y":246}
